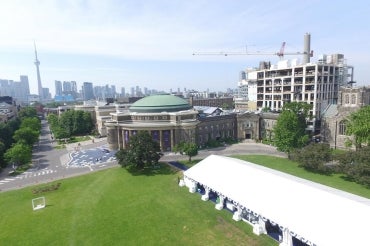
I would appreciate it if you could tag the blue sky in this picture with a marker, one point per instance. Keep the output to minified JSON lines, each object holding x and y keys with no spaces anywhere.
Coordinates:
{"x":150,"y":43}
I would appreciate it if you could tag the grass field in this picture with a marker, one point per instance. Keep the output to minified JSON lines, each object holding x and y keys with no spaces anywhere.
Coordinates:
{"x":115,"y":207}
{"x":337,"y":181}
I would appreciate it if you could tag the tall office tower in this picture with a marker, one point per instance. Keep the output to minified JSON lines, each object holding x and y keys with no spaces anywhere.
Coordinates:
{"x":37,"y":64}
{"x":123,"y":92}
{"x":67,"y":87}
{"x":74,"y":86}
{"x":58,"y":88}
{"x":113,"y":90}
{"x":25,"y":88}
{"x":46,"y":93}
{"x":87,"y":91}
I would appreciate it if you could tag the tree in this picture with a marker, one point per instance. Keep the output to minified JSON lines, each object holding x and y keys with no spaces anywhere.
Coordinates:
{"x":76,"y":122}
{"x":7,"y":131}
{"x":359,"y":126}
{"x":356,"y":165}
{"x":27,"y":112}
{"x":189,"y":149}
{"x":31,"y":122}
{"x":290,"y":129}
{"x":2,"y":152}
{"x":60,"y":133}
{"x":26,"y":135}
{"x":142,"y":151}
{"x":313,"y":157}
{"x":53,"y":121}
{"x":66,"y":122}
{"x":19,"y":154}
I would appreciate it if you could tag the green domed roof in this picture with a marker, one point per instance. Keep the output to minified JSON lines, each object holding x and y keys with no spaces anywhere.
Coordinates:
{"x":160,"y":103}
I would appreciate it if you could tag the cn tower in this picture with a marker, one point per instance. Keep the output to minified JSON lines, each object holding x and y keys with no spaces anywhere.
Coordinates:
{"x":37,"y":63}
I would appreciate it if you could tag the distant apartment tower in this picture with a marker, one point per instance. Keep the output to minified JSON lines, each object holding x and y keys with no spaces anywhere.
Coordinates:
{"x":17,"y":90}
{"x":58,"y":88}
{"x":74,"y":86}
{"x":67,"y":86}
{"x":87,"y":91}
{"x":46,"y":93}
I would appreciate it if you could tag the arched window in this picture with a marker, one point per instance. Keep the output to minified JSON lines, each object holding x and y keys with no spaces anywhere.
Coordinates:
{"x":353,"y":99}
{"x":346,"y":99}
{"x":342,"y":127}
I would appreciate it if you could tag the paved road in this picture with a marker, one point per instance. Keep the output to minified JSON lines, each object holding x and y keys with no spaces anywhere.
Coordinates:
{"x":51,"y":164}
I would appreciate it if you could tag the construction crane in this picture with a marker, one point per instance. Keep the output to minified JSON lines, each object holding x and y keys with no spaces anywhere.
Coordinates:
{"x":307,"y":52}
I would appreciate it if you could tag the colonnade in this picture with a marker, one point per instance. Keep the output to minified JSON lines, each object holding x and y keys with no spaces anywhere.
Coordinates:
{"x":164,"y":137}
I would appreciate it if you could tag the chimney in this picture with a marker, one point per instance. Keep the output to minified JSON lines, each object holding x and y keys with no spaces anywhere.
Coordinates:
{"x":307,"y":48}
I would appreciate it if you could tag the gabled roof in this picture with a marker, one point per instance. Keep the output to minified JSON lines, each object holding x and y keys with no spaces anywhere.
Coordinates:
{"x":323,"y":215}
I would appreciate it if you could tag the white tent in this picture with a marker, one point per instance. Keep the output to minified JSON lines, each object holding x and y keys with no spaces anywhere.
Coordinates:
{"x":320,"y":214}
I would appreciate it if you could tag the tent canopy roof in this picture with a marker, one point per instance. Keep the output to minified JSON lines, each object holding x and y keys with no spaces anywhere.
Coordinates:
{"x":323,"y":215}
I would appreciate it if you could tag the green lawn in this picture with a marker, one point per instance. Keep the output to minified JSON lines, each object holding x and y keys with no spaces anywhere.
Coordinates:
{"x":115,"y":207}
{"x":337,"y":181}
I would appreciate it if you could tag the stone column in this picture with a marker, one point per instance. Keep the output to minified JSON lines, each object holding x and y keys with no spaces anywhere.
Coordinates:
{"x":172,"y":144}
{"x":161,"y":140}
{"x":119,"y":137}
{"x":123,"y":139}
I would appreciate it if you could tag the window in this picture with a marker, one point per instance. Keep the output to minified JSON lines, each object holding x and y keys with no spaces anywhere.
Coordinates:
{"x":342,"y":127}
{"x":346,"y":99}
{"x":353,"y":99}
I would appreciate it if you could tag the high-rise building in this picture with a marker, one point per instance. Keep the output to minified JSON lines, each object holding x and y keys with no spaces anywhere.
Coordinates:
{"x":58,"y":88}
{"x":123,"y":92}
{"x":67,"y":86}
{"x":87,"y":91}
{"x":37,"y":64}
{"x":19,"y":90}
{"x":74,"y":86}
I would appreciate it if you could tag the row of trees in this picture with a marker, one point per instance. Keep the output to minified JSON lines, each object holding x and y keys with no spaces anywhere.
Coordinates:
{"x":290,"y":136}
{"x":6,"y":138}
{"x":70,"y":123}
{"x":16,"y":145}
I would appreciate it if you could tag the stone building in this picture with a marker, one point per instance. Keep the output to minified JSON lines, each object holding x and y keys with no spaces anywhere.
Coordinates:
{"x":334,"y":119}
{"x":169,"y":119}
{"x":248,"y":126}
{"x":172,"y":120}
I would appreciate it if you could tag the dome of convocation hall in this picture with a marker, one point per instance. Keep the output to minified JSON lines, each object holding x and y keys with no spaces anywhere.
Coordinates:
{"x":160,"y":103}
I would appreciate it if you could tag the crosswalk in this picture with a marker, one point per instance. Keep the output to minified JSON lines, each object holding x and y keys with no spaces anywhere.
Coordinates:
{"x":28,"y":174}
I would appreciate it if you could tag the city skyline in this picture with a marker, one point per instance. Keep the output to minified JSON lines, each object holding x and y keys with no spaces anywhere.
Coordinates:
{"x":150,"y":44}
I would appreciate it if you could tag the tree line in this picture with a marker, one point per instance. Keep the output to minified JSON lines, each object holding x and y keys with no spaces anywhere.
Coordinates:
{"x":290,"y":136}
{"x":70,"y":123}
{"x":17,"y":138}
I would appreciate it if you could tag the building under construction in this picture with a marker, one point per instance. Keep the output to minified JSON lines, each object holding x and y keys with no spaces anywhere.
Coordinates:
{"x":316,"y":83}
